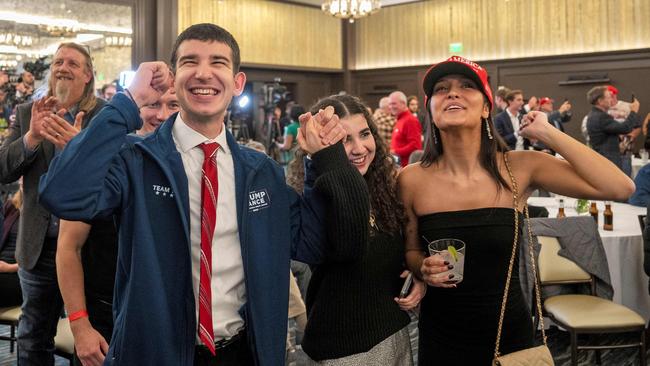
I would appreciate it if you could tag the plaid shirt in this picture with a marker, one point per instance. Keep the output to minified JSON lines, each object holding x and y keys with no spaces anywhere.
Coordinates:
{"x":385,"y":123}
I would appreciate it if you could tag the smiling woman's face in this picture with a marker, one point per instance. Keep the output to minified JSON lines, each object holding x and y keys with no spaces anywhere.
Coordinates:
{"x":359,"y":144}
{"x":457,"y":101}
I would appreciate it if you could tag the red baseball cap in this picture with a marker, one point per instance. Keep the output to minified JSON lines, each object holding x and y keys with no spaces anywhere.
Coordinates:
{"x":612,"y":89}
{"x":545,"y":100}
{"x":457,"y":65}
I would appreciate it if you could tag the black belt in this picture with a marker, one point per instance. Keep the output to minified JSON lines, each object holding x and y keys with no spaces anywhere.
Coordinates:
{"x":226,"y":343}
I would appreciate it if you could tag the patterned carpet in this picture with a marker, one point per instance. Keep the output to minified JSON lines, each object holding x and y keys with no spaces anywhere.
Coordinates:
{"x":558,"y":342}
{"x":9,"y":359}
{"x":560,"y":346}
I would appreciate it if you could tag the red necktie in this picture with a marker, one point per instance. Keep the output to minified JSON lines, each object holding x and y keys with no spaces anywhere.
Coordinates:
{"x":209,"y":193}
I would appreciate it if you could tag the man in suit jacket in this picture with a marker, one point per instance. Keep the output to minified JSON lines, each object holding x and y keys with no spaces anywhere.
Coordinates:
{"x":507,"y":122}
{"x":26,"y":153}
{"x":603,"y":129}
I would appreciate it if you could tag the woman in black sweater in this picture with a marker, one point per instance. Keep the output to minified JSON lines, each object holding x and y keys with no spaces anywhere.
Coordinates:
{"x":354,"y":314}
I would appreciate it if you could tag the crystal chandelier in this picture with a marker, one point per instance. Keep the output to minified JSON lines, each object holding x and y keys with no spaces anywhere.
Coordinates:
{"x":118,"y":41}
{"x":14,"y":39}
{"x":351,"y":9}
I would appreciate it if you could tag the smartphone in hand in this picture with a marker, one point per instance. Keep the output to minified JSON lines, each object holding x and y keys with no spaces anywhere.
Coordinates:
{"x":408,"y":282}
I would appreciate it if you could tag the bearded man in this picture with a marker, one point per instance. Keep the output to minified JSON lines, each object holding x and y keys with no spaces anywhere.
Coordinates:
{"x":27,"y":153}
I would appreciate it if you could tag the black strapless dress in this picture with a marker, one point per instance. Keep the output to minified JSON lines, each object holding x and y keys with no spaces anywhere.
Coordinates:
{"x":458,"y":326}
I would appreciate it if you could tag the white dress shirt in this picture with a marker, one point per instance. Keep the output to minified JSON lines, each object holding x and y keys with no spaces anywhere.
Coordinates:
{"x":228,"y":288}
{"x":515,"y":126}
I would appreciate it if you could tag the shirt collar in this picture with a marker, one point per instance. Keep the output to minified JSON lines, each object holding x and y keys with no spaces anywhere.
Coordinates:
{"x":186,"y":138}
{"x":72,"y":110}
{"x":511,"y":115}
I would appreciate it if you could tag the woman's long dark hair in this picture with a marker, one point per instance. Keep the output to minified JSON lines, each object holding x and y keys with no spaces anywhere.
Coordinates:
{"x":381,"y":176}
{"x":433,"y":148}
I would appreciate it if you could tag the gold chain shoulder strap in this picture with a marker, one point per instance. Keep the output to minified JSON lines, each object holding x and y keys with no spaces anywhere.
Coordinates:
{"x":515,"y":199}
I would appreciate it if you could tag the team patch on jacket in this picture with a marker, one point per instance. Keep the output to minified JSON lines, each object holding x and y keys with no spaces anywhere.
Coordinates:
{"x":162,"y":191}
{"x":258,"y":200}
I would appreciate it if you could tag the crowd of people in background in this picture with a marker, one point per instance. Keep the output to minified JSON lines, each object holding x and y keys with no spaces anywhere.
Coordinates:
{"x":120,"y":231}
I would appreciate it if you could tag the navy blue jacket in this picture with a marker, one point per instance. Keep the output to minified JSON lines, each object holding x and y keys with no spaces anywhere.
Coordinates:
{"x":102,"y":172}
{"x":641,"y":195}
{"x":558,"y":119}
{"x":504,"y":127}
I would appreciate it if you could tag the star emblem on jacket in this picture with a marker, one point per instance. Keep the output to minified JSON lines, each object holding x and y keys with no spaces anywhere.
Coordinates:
{"x":162,"y":191}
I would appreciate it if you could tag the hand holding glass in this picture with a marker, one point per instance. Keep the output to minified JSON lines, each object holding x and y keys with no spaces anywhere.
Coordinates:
{"x":453,"y":251}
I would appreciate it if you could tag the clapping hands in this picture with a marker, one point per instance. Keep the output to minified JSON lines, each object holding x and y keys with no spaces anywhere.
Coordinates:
{"x":58,"y":131}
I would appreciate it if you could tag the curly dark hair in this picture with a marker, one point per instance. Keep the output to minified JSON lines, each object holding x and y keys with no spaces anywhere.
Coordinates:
{"x":381,"y":177}
{"x":296,"y":171}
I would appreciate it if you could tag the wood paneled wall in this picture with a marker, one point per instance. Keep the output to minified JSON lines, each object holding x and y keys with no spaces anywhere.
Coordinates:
{"x":629,"y":71}
{"x":272,"y":33}
{"x":420,"y":33}
{"x":309,"y":86}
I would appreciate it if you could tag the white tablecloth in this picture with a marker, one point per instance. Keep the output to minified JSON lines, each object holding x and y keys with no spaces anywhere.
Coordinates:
{"x":623,"y":247}
{"x":637,"y":164}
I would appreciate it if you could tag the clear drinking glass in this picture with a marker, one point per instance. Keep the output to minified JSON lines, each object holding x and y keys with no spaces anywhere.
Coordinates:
{"x":453,"y":251}
{"x":644,"y":155}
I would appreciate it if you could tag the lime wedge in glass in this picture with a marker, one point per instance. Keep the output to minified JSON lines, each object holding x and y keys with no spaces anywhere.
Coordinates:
{"x":453,"y":252}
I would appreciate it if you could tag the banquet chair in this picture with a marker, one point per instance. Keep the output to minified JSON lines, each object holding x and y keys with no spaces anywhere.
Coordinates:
{"x":584,"y":314}
{"x":64,"y":341}
{"x":642,"y":222}
{"x":10,"y":316}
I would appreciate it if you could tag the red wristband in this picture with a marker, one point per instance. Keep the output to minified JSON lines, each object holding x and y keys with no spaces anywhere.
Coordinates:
{"x":77,"y":315}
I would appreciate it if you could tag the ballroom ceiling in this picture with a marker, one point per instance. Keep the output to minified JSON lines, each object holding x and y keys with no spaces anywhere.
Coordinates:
{"x":33,"y":28}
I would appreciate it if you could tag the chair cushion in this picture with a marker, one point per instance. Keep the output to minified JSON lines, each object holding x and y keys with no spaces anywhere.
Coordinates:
{"x":591,"y":312}
{"x":10,"y":314}
{"x":553,"y":267}
{"x":64,"y":341}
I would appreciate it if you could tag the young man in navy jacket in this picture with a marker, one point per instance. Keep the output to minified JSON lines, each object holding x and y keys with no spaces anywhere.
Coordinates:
{"x":154,"y":185}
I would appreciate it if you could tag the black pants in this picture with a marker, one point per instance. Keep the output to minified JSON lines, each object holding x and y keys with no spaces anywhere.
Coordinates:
{"x":10,"y":289}
{"x":237,"y":353}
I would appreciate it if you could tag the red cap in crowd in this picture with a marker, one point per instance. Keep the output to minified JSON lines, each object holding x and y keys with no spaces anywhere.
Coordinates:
{"x":545,"y":100}
{"x":457,"y":65}
{"x":612,"y":89}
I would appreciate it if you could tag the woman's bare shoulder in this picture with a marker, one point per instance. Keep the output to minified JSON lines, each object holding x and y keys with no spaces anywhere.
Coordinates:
{"x":411,"y":173}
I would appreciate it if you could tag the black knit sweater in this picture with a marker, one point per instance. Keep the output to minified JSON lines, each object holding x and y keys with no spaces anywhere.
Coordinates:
{"x":350,"y":304}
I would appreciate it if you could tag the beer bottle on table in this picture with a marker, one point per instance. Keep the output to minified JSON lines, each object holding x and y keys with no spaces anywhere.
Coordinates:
{"x":560,"y":211}
{"x":608,"y":217}
{"x":593,"y":211}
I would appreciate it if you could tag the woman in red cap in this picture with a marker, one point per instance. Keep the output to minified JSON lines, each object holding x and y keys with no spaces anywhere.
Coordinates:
{"x":463,"y":189}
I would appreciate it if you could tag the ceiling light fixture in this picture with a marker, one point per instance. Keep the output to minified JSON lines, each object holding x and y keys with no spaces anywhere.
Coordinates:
{"x":15,"y":39}
{"x":68,"y":24}
{"x":351,"y":9}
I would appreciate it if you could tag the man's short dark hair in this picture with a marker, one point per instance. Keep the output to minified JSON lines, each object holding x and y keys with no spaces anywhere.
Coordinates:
{"x":512,"y":95}
{"x":208,"y":32}
{"x":595,"y":93}
{"x":502,"y":92}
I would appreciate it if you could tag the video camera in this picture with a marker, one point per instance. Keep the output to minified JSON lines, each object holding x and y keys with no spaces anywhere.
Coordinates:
{"x":37,"y":68}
